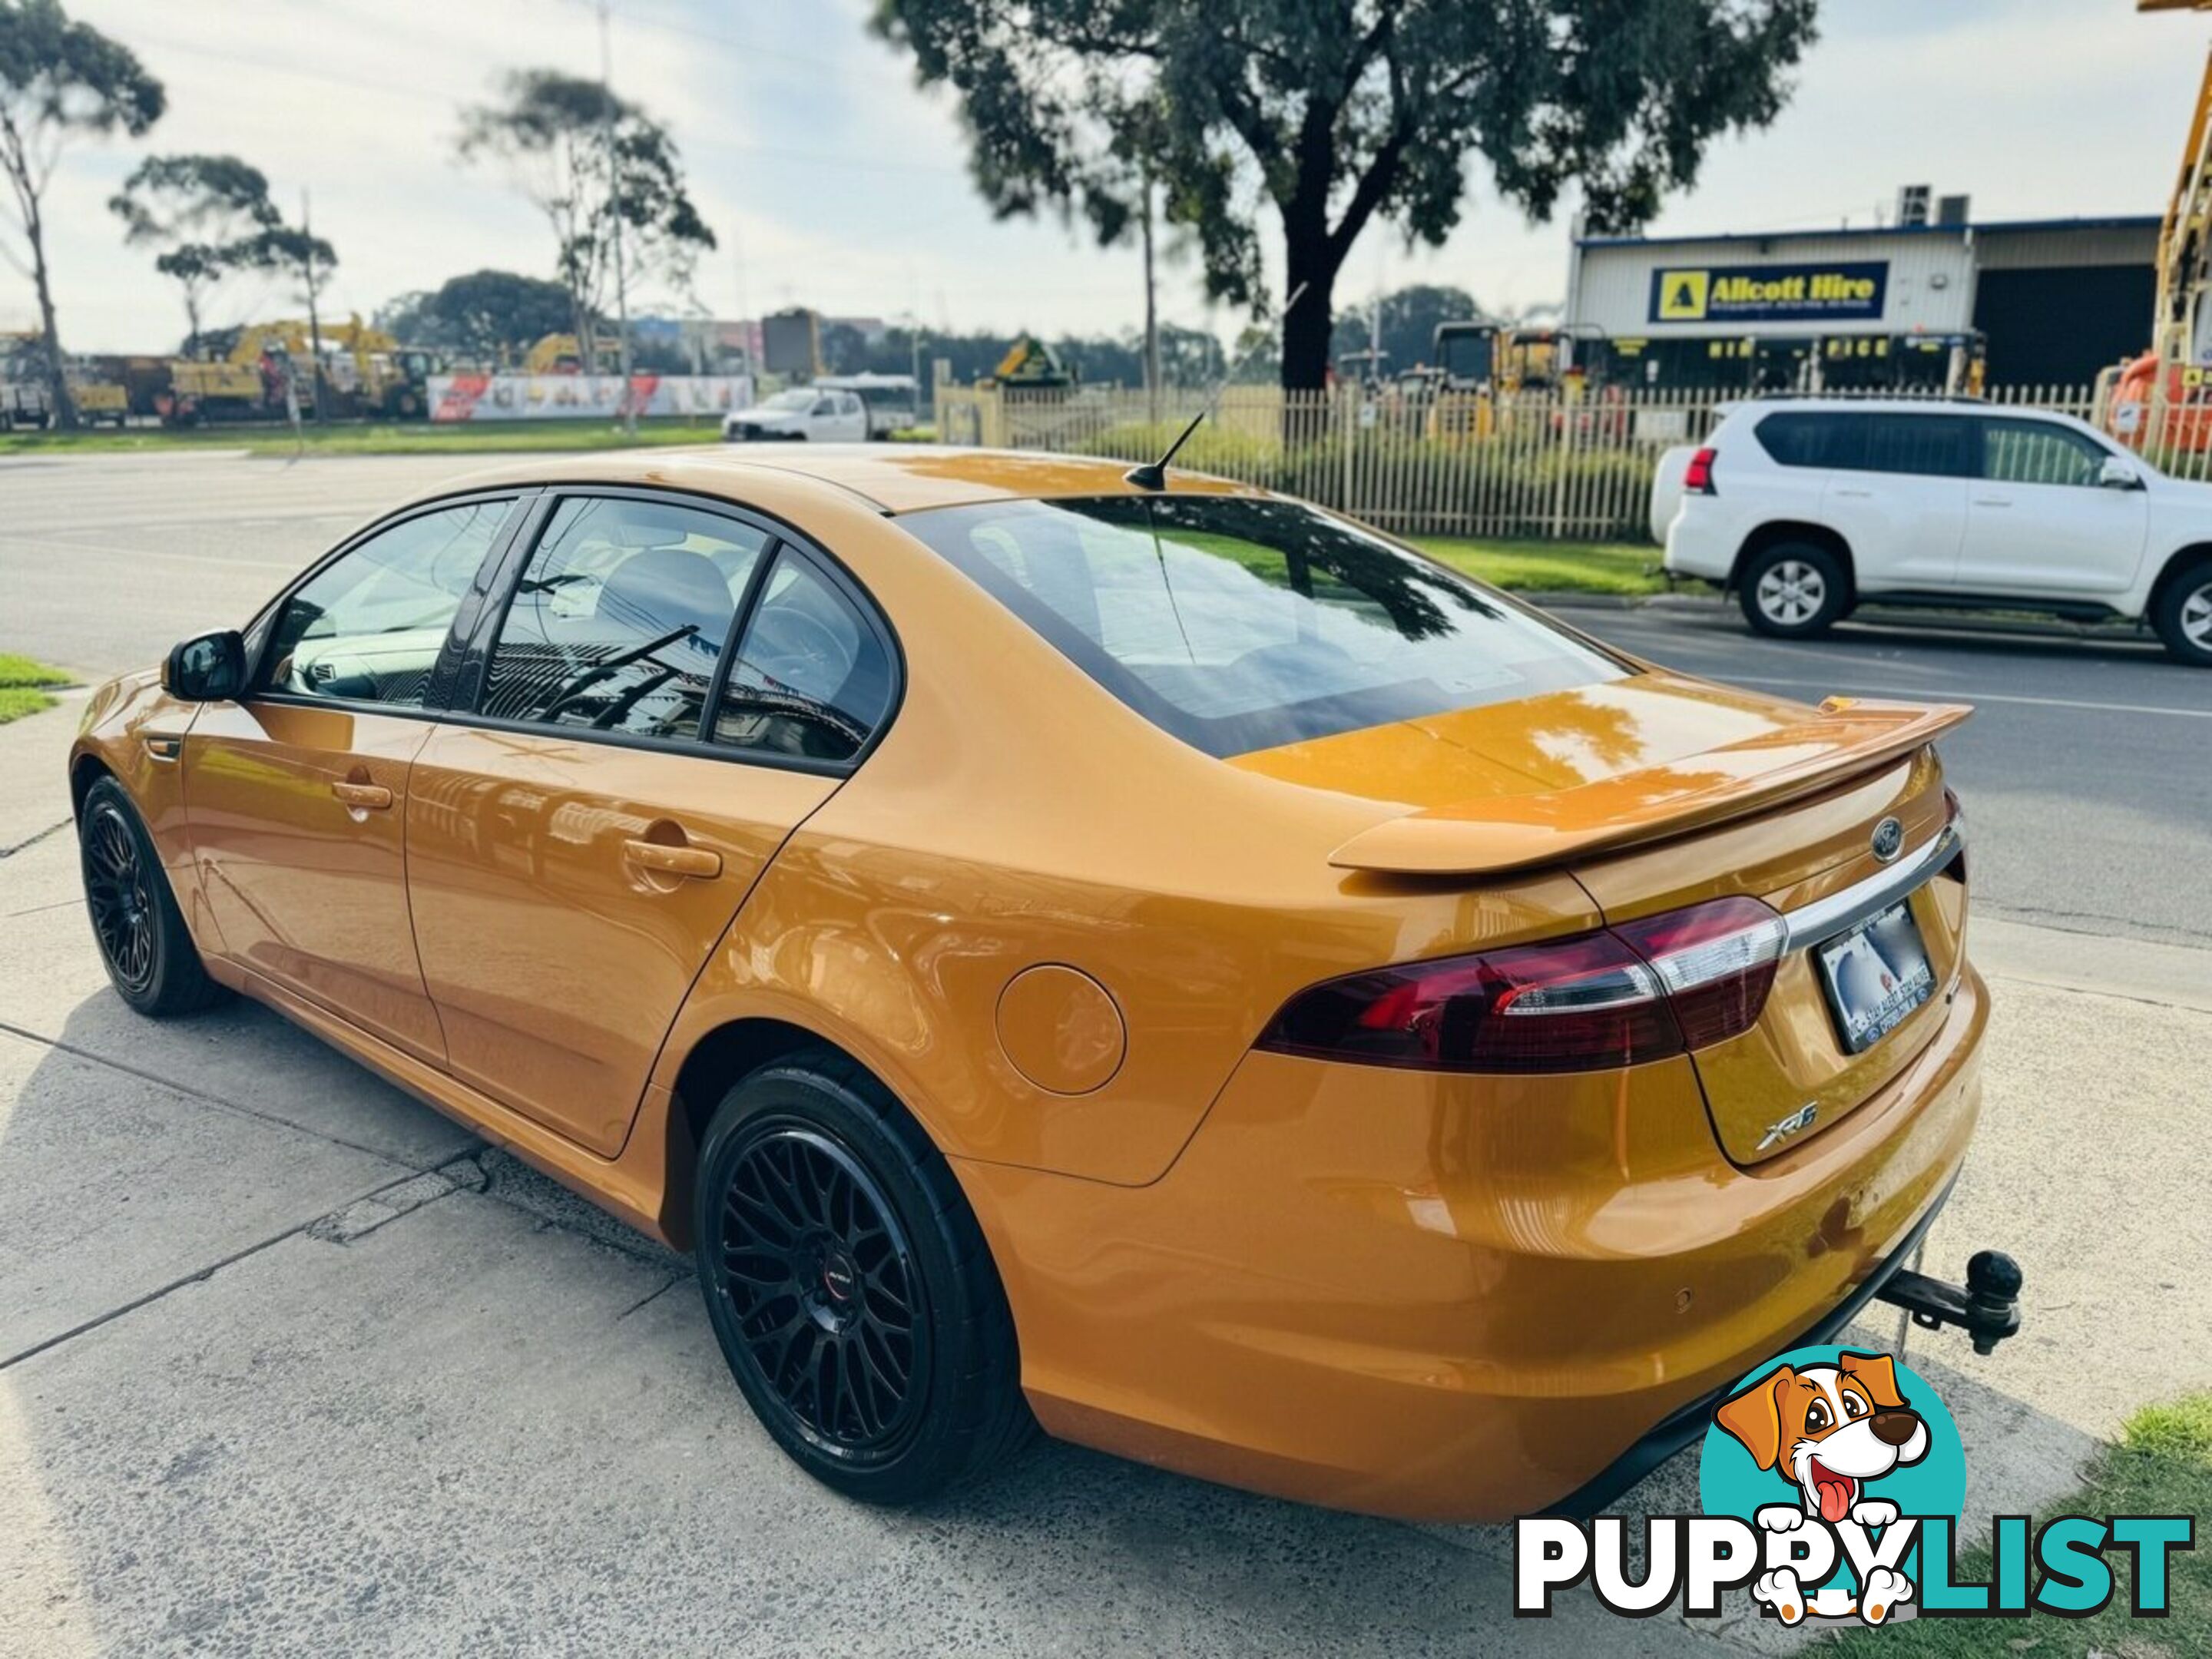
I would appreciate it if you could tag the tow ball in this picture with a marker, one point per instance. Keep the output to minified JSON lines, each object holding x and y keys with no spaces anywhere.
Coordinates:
{"x":1987,"y":1309}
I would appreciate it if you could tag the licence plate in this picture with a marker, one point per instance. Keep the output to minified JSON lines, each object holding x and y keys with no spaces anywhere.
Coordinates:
{"x":1875,"y":975}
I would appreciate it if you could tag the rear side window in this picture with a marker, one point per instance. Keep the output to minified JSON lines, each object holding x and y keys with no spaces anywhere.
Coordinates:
{"x":621,"y":619}
{"x":1237,"y":624}
{"x":812,"y":679}
{"x":1805,"y":438}
{"x":2039,"y":452}
{"x":1928,"y":446}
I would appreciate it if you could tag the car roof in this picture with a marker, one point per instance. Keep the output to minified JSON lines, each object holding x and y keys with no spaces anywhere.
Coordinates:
{"x":1766,"y":403}
{"x":890,"y":477}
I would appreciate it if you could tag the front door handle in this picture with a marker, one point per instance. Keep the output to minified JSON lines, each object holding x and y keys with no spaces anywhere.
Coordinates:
{"x":1992,"y":501}
{"x":363,"y":797}
{"x":698,"y":861}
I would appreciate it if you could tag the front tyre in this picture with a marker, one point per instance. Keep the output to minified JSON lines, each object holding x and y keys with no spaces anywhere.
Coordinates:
{"x":1793,"y":590}
{"x":850,"y":1287}
{"x":143,"y":944}
{"x":2183,"y":614}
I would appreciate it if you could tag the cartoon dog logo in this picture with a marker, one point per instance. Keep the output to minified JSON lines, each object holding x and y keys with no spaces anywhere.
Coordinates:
{"x":1831,"y":1430}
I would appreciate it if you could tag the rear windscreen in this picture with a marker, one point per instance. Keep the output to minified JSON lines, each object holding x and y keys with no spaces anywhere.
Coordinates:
{"x":1237,"y":624}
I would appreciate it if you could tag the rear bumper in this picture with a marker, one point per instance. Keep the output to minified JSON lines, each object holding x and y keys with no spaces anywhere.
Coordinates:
{"x":1457,"y":1298}
{"x":1686,"y":552}
{"x":1687,"y":1424}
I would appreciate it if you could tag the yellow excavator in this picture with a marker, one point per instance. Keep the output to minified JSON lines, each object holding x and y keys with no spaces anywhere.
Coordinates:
{"x":563,"y":354}
{"x":363,"y":371}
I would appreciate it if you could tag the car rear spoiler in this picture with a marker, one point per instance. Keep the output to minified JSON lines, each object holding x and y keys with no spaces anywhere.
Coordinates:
{"x":1850,"y":736}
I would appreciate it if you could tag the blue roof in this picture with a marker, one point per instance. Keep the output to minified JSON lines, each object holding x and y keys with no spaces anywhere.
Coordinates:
{"x":2120,"y":221}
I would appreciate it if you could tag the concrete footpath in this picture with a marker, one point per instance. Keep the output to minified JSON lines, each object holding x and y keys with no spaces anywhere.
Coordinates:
{"x":289,"y":1363}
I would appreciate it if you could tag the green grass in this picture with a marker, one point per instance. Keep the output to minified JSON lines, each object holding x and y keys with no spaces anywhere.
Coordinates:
{"x":2162,"y":1465}
{"x":1550,"y":567}
{"x":371,"y":438}
{"x":23,"y":685}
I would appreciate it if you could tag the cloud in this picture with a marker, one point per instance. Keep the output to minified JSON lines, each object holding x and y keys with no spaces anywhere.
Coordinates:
{"x":833,"y":181}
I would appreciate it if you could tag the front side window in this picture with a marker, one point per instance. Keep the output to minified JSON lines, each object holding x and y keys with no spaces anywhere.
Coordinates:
{"x":621,"y":617}
{"x":1237,"y":624}
{"x":2039,"y":452}
{"x":812,"y":680}
{"x":368,"y":626}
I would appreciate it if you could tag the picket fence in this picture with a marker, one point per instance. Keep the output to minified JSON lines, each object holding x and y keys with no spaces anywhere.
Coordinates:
{"x":1535,"y":464}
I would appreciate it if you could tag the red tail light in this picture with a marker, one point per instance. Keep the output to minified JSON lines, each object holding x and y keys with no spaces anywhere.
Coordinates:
{"x":1697,"y":476}
{"x":1597,"y":1002}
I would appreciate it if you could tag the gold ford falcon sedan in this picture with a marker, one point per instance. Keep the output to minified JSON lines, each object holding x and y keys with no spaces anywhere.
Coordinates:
{"x":1147,"y":959}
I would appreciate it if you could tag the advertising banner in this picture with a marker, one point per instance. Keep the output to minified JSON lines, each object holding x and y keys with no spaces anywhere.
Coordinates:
{"x":1841,"y":292}
{"x":583,"y":397}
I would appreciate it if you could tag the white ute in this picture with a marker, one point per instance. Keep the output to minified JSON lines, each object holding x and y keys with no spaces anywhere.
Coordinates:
{"x":1808,"y":507}
{"x":803,"y":414}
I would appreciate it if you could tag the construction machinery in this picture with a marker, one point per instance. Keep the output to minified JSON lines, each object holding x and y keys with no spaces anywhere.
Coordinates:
{"x":564,"y":353}
{"x":2162,"y":399}
{"x":1465,"y":400}
{"x":25,"y":399}
{"x":1032,"y":365}
{"x":1367,"y":368}
{"x":362,"y":371}
{"x":26,"y":396}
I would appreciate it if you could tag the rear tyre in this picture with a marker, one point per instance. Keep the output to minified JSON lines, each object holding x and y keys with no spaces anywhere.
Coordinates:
{"x":1793,"y":590}
{"x":143,"y":942}
{"x":2183,"y":614}
{"x":850,"y":1288}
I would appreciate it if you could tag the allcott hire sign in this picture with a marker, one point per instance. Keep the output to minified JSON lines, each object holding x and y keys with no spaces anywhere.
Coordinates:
{"x":1848,"y":291}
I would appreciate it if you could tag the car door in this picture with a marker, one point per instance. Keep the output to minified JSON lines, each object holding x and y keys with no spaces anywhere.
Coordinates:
{"x":295,"y":795}
{"x":1897,"y":494}
{"x":580,"y":839}
{"x":2038,"y":520}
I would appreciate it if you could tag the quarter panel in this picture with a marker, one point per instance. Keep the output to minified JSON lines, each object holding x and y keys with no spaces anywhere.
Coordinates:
{"x":1016,"y":814}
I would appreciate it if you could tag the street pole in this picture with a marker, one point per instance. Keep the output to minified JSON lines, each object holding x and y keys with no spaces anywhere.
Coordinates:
{"x":1151,"y":314}
{"x":314,"y":318}
{"x":613,"y":203}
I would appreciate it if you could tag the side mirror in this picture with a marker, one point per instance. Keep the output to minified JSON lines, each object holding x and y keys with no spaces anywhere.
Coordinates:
{"x":2117,"y":474}
{"x":210,"y":668}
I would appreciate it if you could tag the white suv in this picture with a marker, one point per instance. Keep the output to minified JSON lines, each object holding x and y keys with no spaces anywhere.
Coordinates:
{"x":1806,"y":507}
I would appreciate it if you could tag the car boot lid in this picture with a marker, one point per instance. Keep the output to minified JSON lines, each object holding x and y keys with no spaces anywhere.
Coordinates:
{"x":1497,"y":833}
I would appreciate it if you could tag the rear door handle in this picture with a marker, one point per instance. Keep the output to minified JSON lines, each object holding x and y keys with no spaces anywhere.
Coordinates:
{"x":698,"y":861}
{"x":363,"y":797}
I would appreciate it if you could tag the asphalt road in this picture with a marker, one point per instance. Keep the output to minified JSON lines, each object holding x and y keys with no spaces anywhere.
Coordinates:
{"x":2087,"y":770}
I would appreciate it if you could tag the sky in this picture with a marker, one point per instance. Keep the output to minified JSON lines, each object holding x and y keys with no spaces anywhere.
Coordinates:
{"x":833,"y":181}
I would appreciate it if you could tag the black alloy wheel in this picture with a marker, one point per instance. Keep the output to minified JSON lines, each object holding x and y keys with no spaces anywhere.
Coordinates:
{"x":143,"y":942}
{"x":123,"y":917}
{"x":850,"y":1286}
{"x":820,"y":1278}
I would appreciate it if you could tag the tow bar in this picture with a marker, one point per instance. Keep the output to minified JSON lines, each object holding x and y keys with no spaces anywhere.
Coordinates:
{"x":1987,"y":1309}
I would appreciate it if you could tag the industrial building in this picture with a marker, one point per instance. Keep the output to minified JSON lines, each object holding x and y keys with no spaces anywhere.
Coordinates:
{"x":1940,"y":300}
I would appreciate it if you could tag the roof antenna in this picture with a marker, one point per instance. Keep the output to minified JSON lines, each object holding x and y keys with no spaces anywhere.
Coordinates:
{"x":1153,"y":475}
